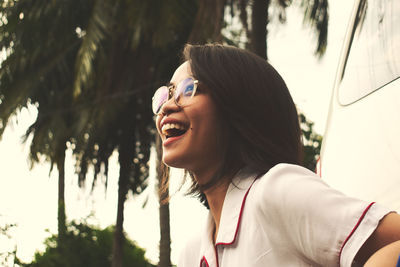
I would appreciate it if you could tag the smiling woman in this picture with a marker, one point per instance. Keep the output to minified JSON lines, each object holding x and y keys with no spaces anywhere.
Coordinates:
{"x":190,"y":138}
{"x":228,"y":119}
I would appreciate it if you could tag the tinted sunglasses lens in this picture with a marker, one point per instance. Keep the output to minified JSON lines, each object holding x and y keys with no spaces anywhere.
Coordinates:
{"x":159,"y":98}
{"x":184,"y":90}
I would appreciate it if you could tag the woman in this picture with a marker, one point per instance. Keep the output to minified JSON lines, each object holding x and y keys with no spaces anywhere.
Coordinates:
{"x":228,"y":119}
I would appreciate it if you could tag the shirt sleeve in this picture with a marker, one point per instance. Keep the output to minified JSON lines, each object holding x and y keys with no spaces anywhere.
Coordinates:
{"x":301,"y":213}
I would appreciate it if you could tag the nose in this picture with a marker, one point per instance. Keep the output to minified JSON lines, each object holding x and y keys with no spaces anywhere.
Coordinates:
{"x":169,"y":107}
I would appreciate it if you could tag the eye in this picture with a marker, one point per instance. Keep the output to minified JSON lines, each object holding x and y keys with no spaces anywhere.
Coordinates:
{"x":188,"y":90}
{"x":185,"y":88}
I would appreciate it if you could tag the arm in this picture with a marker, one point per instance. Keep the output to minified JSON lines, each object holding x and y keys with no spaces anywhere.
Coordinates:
{"x":386,"y":256}
{"x":383,"y":247}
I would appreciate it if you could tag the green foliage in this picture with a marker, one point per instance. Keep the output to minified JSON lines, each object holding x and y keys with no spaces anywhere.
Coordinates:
{"x":312,"y":143}
{"x":8,"y":250}
{"x":86,"y":246}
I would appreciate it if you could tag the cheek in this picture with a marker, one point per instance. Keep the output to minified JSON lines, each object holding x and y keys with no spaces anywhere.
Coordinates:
{"x":208,"y":129}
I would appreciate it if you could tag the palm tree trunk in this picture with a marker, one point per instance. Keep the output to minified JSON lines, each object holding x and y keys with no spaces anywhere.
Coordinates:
{"x":163,"y":194}
{"x":61,"y":199}
{"x":119,"y":238}
{"x":203,"y":31}
{"x":117,"y":252}
{"x":259,"y":21}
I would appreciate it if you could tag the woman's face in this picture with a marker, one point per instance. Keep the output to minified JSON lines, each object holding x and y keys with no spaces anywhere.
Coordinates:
{"x":198,"y":147}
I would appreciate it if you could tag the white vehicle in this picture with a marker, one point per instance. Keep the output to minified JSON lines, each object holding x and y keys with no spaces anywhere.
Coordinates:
{"x":360,"y":153}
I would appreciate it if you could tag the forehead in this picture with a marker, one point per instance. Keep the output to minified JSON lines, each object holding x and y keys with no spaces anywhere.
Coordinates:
{"x":182,"y":72}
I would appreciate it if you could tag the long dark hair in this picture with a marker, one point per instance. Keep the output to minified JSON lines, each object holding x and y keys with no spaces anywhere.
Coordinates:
{"x":254,"y":103}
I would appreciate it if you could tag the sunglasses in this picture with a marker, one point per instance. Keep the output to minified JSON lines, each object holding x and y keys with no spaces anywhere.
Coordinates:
{"x":181,"y":93}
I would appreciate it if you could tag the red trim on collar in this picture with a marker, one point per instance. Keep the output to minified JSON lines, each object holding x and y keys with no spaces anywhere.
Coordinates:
{"x":205,"y":261}
{"x":216,"y":255}
{"x":240,"y":216}
{"x":354,"y":229}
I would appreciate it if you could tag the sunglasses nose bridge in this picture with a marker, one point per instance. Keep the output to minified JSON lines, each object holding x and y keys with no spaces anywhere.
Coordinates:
{"x":171,"y":91}
{"x":170,"y":103}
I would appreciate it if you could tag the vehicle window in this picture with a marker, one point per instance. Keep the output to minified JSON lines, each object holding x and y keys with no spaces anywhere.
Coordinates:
{"x":374,"y":57}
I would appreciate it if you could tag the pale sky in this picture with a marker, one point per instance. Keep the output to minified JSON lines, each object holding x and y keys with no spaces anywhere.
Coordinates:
{"x":29,"y":197}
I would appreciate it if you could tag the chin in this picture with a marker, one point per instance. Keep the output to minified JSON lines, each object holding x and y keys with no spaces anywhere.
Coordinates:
{"x":172,"y":161}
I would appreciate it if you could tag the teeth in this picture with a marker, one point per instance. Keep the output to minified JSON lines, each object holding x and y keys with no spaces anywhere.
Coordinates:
{"x":169,"y":126}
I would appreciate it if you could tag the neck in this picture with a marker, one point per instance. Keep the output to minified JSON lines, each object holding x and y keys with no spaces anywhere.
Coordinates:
{"x":215,"y":196}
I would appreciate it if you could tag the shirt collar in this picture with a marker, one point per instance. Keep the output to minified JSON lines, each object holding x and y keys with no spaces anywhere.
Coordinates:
{"x":233,"y":205}
{"x":232,"y":208}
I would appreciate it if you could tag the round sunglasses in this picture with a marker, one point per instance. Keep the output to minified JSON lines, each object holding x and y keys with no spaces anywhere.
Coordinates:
{"x":181,"y":93}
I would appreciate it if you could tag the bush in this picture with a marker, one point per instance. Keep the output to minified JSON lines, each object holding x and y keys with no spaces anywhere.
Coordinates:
{"x":86,"y":246}
{"x":311,"y":143}
{"x":8,"y":247}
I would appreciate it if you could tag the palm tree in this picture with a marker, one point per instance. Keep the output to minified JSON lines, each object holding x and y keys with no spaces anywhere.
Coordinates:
{"x":163,"y":195}
{"x":255,"y":16}
{"x":315,"y":15}
{"x":38,"y":71}
{"x":90,"y":72}
{"x":123,"y":56}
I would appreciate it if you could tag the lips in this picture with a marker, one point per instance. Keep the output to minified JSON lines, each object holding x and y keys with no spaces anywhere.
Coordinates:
{"x":172,"y":128}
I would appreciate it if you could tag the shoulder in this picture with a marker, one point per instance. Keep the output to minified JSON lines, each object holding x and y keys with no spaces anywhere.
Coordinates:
{"x":311,"y":217}
{"x":289,"y":181}
{"x":287,"y":174}
{"x":290,"y":171}
{"x":291,"y":190}
{"x":287,"y":193}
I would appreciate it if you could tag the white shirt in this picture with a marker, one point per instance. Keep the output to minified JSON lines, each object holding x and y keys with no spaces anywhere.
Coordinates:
{"x":287,"y":217}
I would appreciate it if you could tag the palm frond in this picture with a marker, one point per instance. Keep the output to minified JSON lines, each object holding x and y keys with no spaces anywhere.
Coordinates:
{"x":18,"y":83}
{"x":92,"y":37}
{"x":317,"y":16}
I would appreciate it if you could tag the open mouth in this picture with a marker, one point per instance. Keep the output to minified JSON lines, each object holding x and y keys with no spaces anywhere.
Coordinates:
{"x":173,"y":129}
